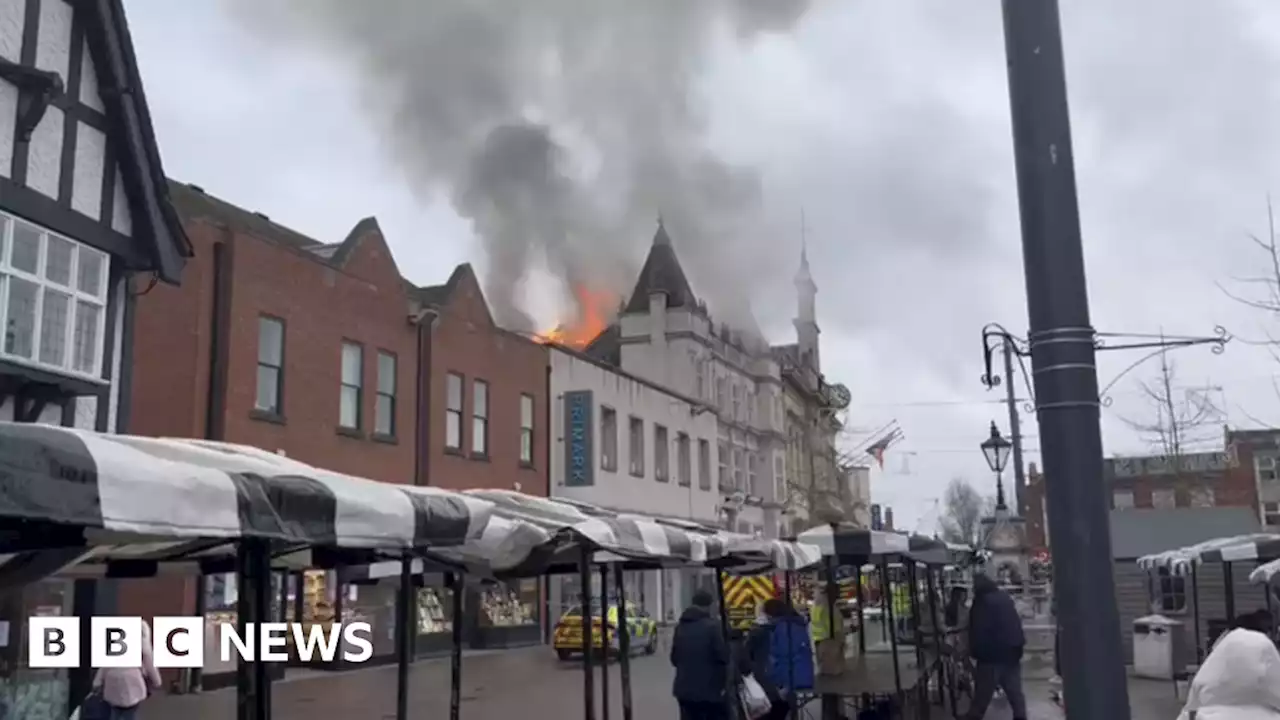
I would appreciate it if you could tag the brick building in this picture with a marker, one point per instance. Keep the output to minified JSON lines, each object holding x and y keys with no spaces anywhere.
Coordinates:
{"x":1237,"y":477}
{"x":319,"y":352}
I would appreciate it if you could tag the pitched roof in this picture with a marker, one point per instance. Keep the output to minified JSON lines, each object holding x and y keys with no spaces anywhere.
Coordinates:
{"x":1135,"y":533}
{"x":111,"y":46}
{"x":661,"y":273}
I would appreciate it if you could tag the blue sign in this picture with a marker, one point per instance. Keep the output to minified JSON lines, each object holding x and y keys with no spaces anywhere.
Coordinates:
{"x":578,"y":466}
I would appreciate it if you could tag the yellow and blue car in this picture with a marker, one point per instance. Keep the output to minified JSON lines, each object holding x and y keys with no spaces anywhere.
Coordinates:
{"x":567,"y":639}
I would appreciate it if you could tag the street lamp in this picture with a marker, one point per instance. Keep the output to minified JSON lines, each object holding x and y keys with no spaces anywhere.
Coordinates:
{"x":996,"y":450}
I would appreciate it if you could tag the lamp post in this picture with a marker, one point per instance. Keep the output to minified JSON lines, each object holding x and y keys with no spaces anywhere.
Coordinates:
{"x":996,"y":450}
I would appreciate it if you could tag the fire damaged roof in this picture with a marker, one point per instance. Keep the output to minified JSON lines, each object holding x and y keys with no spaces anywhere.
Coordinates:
{"x":661,"y":273}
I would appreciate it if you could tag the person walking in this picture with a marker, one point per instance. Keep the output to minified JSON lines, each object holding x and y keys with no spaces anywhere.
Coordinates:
{"x":1240,"y":680}
{"x":779,"y":655}
{"x":123,"y":689}
{"x":701,"y":659}
{"x":996,"y":642}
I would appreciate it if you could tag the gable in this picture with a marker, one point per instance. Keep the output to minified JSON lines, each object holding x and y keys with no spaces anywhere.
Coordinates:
{"x":77,"y":151}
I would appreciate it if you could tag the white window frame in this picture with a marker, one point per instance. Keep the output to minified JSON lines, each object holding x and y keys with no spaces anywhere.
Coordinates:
{"x":684,"y":460}
{"x":661,"y":453}
{"x":635,"y":445}
{"x":354,"y":387}
{"x":453,"y":415}
{"x":7,"y":271}
{"x":1265,"y":467}
{"x":608,"y":439}
{"x":480,"y":417}
{"x":526,"y":429}
{"x":704,"y":464}
{"x":386,"y":394}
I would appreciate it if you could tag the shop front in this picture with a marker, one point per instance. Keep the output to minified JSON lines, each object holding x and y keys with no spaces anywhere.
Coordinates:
{"x":507,"y":614}
{"x":220,"y":595}
{"x":26,"y":692}
{"x":324,"y":600}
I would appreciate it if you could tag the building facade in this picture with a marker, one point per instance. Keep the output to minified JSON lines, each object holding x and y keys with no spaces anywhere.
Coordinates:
{"x":83,"y":209}
{"x":630,"y":445}
{"x":1256,"y":457}
{"x":665,"y":335}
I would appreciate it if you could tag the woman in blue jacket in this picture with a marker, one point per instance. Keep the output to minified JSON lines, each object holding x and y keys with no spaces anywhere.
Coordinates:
{"x":779,"y":655}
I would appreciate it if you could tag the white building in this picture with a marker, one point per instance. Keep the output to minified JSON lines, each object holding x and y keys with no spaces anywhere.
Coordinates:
{"x":665,"y":335}
{"x":629,"y":445}
{"x":83,"y":207}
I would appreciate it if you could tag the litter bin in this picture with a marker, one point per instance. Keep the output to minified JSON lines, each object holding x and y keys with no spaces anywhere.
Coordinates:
{"x":1158,"y":647}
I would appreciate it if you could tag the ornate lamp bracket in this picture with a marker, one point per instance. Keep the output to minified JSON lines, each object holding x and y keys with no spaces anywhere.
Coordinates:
{"x":995,"y":336}
{"x":37,"y":90}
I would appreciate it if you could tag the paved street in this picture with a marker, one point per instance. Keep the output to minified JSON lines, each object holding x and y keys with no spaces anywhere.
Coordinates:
{"x":515,"y":684}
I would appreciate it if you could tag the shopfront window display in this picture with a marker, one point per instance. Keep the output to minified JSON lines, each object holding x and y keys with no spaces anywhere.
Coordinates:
{"x":509,"y":605}
{"x":221,"y":593}
{"x":25,"y":692}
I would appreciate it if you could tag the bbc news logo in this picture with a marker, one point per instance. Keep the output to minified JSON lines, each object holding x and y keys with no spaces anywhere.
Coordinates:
{"x":179,"y":642}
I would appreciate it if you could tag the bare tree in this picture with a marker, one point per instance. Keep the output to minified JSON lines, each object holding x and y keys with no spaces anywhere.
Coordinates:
{"x":1181,"y":417}
{"x":963,"y":508}
{"x":1262,"y":291}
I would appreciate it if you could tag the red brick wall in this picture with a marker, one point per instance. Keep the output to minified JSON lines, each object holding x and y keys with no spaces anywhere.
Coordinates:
{"x":465,"y":341}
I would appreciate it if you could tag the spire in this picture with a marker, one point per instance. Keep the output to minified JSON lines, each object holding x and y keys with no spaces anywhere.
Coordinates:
{"x":661,"y":273}
{"x":661,"y":237}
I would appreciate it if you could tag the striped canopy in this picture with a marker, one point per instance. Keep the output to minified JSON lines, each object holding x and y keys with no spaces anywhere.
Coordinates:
{"x":852,"y":543}
{"x":125,"y":499}
{"x":1254,"y":546}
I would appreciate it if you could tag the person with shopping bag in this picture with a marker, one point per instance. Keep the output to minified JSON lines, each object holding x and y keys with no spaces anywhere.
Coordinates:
{"x":779,"y":656}
{"x":120,"y":691}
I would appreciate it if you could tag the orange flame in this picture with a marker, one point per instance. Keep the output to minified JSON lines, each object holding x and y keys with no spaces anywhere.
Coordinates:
{"x":595,"y":310}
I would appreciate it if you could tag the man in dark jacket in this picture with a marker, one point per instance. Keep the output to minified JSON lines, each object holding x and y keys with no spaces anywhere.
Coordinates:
{"x":701,"y":659}
{"x":996,"y":642}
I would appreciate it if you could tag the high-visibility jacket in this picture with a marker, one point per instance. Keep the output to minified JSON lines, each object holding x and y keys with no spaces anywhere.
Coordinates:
{"x":820,"y":626}
{"x":901,"y":602}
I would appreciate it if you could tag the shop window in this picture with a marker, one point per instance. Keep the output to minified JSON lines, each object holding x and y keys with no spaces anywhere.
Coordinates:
{"x":435,"y":611}
{"x":526,"y":429}
{"x":269,"y":398}
{"x":480,"y":418}
{"x":661,"y":454}
{"x":510,"y":605}
{"x":608,"y":439}
{"x":352,"y":386}
{"x":453,"y":412}
{"x":636,"y":446}
{"x":384,"y":410}
{"x":53,"y":294}
{"x":704,"y":465}
{"x":1171,"y":592}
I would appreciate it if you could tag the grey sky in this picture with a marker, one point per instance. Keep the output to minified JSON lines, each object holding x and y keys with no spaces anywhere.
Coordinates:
{"x":888,"y":123}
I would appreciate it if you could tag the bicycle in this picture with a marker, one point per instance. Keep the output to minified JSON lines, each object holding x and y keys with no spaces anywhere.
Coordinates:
{"x":958,"y":671}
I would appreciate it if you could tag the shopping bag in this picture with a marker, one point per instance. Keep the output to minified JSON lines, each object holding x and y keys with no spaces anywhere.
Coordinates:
{"x":830,"y":656}
{"x":93,"y":708}
{"x":755,"y":702}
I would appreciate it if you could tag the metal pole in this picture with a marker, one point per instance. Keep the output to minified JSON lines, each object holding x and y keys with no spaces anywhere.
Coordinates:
{"x":404,"y":637}
{"x":1228,"y":587}
{"x":1195,"y":611}
{"x":862,"y":626}
{"x":604,"y":641}
{"x":1015,"y":431}
{"x":588,"y":675}
{"x":730,"y":697}
{"x":893,"y":630}
{"x":457,"y":585}
{"x":793,"y":705}
{"x":1063,"y":363}
{"x":624,"y":642}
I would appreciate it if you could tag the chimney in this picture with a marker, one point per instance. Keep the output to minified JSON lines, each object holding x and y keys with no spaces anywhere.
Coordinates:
{"x":888,"y":519}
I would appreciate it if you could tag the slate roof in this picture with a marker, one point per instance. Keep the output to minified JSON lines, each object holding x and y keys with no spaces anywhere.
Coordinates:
{"x":661,"y":273}
{"x":1135,"y":533}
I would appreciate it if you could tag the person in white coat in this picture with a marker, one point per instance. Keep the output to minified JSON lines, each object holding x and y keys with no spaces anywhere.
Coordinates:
{"x":1240,"y":680}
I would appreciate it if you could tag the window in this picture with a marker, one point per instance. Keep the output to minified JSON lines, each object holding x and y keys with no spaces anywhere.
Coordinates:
{"x":384,"y":409}
{"x":526,"y":429}
{"x":751,"y":406}
{"x":1171,"y":596}
{"x":700,"y":368}
{"x":684,"y":461}
{"x":1202,"y":497}
{"x":608,"y":439}
{"x":352,"y":374}
{"x":479,"y":417}
{"x":1164,"y":499}
{"x":751,"y":475}
{"x":737,"y":401}
{"x":737,"y":469}
{"x":269,"y":396}
{"x":721,"y":399}
{"x":635,"y":446}
{"x":661,"y":454}
{"x":1271,"y":513}
{"x":53,"y":296}
{"x":704,"y":465}
{"x":1266,"y":468}
{"x":779,"y":480}
{"x":723,"y":451}
{"x":453,"y":412}
{"x":1122,"y":499}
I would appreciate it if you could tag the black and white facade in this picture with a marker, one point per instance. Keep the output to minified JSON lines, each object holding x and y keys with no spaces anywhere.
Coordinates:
{"x":83,"y":206}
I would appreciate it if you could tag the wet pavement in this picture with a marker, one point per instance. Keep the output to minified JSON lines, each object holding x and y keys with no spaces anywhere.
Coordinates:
{"x":525,"y":683}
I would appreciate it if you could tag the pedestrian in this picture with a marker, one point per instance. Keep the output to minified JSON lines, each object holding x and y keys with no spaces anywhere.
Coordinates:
{"x":701,"y":660}
{"x":996,"y":642}
{"x":779,"y":656}
{"x":124,"y":689}
{"x":1240,"y":680}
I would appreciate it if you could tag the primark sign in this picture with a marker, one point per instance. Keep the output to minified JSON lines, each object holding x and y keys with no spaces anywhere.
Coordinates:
{"x":578,"y":466}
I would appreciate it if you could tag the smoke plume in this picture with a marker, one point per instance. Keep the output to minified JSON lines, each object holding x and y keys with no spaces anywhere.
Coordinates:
{"x":560,"y":128}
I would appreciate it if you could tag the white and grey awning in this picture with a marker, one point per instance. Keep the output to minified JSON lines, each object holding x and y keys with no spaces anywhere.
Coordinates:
{"x":169,"y":499}
{"x":851,"y":543}
{"x":1254,"y":546}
